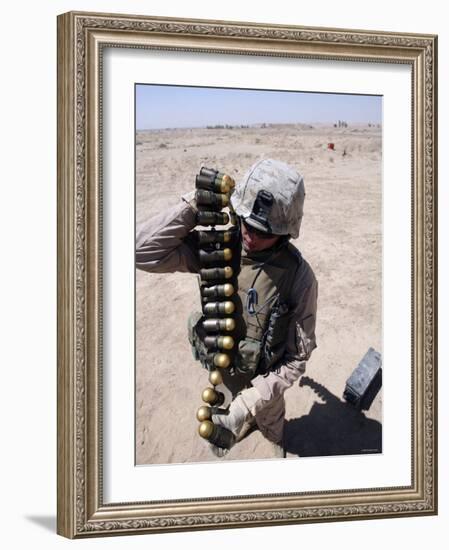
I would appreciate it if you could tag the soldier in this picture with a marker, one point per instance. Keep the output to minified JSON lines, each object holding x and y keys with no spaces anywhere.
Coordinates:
{"x":276,"y":301}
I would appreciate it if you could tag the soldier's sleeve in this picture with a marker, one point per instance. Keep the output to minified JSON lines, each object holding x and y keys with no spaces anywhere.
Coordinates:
{"x":302,"y":337}
{"x":163,"y":244}
{"x":301,"y":340}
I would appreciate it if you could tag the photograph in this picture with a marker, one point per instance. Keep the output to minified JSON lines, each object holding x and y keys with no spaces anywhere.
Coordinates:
{"x":246,"y":274}
{"x":258,"y":301}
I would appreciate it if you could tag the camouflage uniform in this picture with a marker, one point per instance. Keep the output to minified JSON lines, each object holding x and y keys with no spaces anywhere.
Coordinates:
{"x":162,"y":246}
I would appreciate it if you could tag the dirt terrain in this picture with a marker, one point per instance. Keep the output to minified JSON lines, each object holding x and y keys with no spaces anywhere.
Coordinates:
{"x":341,"y":238}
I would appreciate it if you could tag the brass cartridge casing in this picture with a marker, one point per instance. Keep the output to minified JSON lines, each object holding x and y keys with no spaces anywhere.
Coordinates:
{"x":216,"y":273}
{"x":219,"y":308}
{"x":221,"y":342}
{"x":218,"y":291}
{"x":218,"y":325}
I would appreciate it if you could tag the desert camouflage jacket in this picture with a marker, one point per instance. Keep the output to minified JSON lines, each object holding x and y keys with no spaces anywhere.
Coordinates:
{"x":161,"y":247}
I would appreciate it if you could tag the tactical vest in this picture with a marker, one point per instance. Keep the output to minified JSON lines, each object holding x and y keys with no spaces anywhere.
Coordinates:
{"x":262,"y":336}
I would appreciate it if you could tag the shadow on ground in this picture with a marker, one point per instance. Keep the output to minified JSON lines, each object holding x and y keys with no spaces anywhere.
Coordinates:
{"x":333,"y":427}
{"x":46,"y":522}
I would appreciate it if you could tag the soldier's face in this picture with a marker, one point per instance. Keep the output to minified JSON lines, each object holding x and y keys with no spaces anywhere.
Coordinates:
{"x":255,"y":241}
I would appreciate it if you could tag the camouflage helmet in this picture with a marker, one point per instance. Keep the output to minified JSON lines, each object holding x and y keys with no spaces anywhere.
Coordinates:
{"x":270,"y":197}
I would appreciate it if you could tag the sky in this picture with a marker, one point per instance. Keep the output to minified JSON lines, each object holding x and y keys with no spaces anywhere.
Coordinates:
{"x":192,"y":107}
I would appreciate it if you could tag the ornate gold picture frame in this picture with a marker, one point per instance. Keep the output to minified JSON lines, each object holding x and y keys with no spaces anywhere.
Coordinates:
{"x":82,"y":508}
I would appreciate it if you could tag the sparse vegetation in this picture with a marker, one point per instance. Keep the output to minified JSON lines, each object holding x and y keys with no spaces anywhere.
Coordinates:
{"x":227,"y":126}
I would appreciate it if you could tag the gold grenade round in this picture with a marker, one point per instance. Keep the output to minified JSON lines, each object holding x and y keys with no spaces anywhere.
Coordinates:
{"x":222,"y":360}
{"x":217,"y":325}
{"x":212,"y":397}
{"x":215,"y":377}
{"x":206,"y":429}
{"x":204,"y":413}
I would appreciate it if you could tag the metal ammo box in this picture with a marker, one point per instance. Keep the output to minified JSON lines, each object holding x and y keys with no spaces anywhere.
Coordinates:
{"x":360,"y":380}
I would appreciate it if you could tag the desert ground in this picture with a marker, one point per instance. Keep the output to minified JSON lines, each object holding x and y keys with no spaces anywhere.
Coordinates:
{"x":341,"y":238}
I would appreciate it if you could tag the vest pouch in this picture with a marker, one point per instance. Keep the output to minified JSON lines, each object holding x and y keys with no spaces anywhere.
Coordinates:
{"x":196,"y":336}
{"x":275,"y":338}
{"x":248,"y":357}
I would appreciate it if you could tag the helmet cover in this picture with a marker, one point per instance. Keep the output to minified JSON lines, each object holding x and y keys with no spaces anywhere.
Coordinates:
{"x":282,"y":215}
